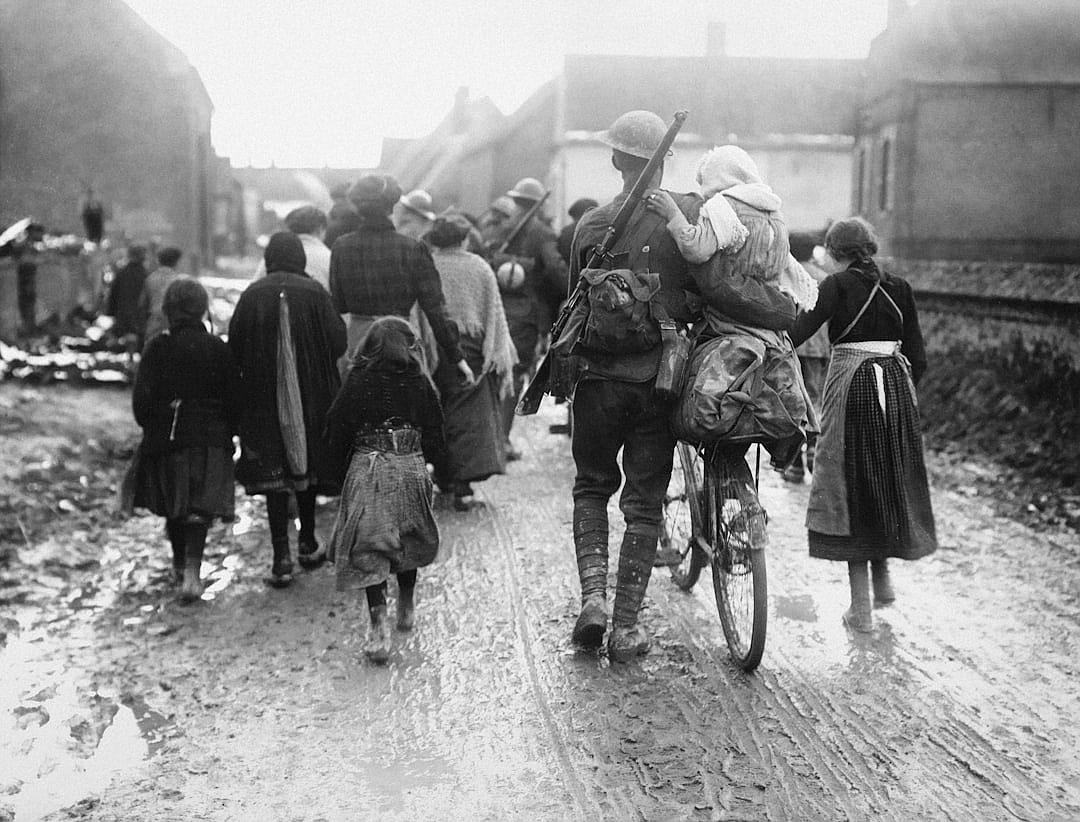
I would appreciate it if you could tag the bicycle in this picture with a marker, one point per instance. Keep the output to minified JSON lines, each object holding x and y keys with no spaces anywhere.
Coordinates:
{"x":713,"y":517}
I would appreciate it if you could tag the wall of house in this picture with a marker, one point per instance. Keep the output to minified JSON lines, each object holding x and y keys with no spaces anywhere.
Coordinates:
{"x":814,"y":183}
{"x":91,"y":96}
{"x":979,"y":172}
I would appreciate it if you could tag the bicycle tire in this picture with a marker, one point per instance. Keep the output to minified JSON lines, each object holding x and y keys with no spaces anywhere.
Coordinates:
{"x":736,"y":525}
{"x":683,"y":517}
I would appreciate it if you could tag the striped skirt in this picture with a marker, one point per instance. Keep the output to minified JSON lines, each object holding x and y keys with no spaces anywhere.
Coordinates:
{"x":888,"y":497}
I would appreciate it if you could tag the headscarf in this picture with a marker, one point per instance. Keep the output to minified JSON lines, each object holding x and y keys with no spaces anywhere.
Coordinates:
{"x":285,"y":252}
{"x":185,"y":301}
{"x":731,"y":170}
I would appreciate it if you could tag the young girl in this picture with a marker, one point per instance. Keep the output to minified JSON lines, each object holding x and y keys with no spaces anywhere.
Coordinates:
{"x":869,"y":499}
{"x":740,"y":217}
{"x":185,"y":401}
{"x":385,"y":424}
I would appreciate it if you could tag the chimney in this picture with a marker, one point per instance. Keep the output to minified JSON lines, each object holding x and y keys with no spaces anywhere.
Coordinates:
{"x":716,"y":42}
{"x":897,"y":11}
{"x":461,"y":114}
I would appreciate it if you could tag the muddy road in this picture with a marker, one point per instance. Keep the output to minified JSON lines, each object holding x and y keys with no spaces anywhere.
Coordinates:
{"x":116,"y":703}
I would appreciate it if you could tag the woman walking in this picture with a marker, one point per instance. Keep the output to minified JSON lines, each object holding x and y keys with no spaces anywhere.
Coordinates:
{"x":286,"y":338}
{"x":869,"y":499}
{"x":476,"y":446}
{"x":185,"y":401}
{"x":385,"y":423}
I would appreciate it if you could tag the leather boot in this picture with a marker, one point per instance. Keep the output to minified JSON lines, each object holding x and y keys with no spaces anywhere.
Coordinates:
{"x":377,"y":646}
{"x":859,"y":617}
{"x":628,"y":640}
{"x":194,"y":543}
{"x":282,"y":569}
{"x":883,"y":590}
{"x":174,"y":528}
{"x":591,"y":548}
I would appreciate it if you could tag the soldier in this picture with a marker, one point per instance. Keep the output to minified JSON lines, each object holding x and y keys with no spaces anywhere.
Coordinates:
{"x":530,"y":304}
{"x":615,"y":408}
{"x":414,"y":215}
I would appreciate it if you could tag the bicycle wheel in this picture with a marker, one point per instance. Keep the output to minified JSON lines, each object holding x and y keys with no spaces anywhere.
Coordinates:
{"x":736,"y":530}
{"x":683,"y":516}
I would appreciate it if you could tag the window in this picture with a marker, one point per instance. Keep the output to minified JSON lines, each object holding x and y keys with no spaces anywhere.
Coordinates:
{"x":884,"y":182}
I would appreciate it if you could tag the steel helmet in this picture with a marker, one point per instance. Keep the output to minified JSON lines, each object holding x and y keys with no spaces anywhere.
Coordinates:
{"x":505,"y":206}
{"x":418,"y":202}
{"x":637,"y":132}
{"x":527,"y":188}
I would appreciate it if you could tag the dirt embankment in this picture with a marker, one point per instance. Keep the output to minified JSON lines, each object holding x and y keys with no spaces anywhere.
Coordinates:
{"x":1010,"y":419}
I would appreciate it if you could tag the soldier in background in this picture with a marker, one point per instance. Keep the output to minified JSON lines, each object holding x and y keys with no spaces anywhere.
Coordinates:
{"x":533,"y":282}
{"x":414,"y":215}
{"x":566,"y":236}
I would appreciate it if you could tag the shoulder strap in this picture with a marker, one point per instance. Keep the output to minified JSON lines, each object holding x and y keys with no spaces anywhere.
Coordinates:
{"x":866,"y":305}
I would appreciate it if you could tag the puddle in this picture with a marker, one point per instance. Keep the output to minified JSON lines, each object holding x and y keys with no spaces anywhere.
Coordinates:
{"x":801,"y":607}
{"x":61,"y":740}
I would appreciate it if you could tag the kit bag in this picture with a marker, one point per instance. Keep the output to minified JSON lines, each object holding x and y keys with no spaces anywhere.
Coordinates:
{"x":742,"y":390}
{"x":620,"y":314}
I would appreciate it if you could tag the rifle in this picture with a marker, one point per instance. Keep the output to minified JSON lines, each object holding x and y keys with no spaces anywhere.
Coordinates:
{"x":539,"y":385}
{"x":524,"y":221}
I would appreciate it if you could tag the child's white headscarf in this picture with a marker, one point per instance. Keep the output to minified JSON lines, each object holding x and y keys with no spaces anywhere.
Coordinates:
{"x":731,"y":170}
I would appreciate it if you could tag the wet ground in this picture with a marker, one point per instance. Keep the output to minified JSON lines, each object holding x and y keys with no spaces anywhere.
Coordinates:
{"x":117,"y":703}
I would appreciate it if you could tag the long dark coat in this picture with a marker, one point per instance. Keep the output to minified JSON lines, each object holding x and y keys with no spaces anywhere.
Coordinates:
{"x":319,"y":340}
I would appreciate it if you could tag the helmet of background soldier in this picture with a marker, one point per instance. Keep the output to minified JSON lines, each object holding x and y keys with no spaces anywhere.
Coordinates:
{"x":505,"y":206}
{"x":637,"y":132}
{"x":528,"y":188}
{"x":510,"y":276}
{"x":418,"y":202}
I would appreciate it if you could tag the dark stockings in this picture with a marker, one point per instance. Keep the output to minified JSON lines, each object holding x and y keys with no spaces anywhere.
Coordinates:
{"x":277,"y":512}
{"x":376,"y":594}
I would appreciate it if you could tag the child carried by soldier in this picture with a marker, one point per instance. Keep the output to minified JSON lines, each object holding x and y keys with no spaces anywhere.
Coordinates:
{"x":740,"y":211}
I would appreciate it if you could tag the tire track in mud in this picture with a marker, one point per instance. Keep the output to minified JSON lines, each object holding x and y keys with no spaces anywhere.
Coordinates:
{"x":575,"y":786}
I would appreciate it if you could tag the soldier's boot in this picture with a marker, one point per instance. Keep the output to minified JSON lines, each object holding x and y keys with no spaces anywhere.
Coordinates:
{"x":591,"y":548}
{"x":628,"y":640}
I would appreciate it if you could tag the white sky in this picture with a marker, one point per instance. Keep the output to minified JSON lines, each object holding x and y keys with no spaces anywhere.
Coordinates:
{"x":314,"y":82}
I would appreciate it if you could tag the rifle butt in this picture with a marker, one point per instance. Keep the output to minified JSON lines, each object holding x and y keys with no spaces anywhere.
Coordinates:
{"x":529,"y":402}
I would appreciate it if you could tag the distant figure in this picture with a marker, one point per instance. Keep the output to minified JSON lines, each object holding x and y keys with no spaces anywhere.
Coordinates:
{"x":185,"y":399}
{"x":153,"y":291}
{"x":566,"y":236}
{"x":869,"y":498}
{"x":384,"y":425}
{"x":286,"y":337}
{"x":26,"y":287}
{"x":813,"y":356}
{"x":309,"y":224}
{"x":124,"y":293}
{"x":413,"y":214}
{"x":376,"y":272}
{"x":342,"y":217}
{"x":93,"y":217}
{"x":474,"y":432}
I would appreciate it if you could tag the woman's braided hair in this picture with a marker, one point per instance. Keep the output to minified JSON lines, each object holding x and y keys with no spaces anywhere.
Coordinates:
{"x":851,"y":238}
